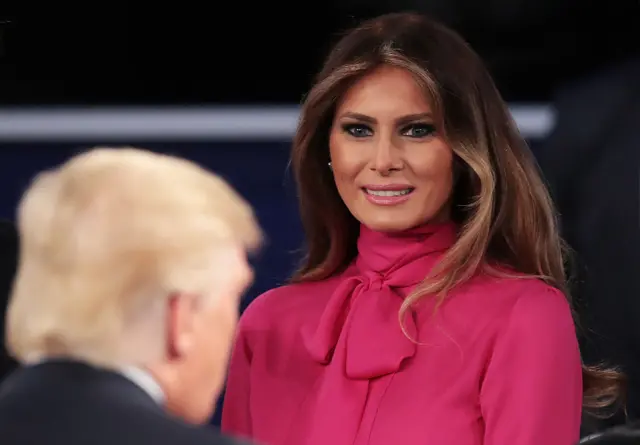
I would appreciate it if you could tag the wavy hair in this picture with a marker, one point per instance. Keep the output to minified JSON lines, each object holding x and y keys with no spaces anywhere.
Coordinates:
{"x":500,"y":201}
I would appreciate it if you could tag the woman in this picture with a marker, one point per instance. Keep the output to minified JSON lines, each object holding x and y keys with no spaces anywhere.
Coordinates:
{"x":430,"y":306}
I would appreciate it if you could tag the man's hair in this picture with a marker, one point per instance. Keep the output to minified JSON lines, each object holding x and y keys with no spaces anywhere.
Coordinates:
{"x":106,"y":238}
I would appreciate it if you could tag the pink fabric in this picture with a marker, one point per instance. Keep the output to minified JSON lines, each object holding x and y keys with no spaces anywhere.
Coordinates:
{"x":327,"y":362}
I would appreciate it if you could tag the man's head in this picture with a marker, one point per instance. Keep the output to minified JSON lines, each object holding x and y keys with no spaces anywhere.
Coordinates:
{"x":133,"y":258}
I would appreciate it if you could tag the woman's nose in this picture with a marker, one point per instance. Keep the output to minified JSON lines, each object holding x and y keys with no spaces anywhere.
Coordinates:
{"x":388,"y":157}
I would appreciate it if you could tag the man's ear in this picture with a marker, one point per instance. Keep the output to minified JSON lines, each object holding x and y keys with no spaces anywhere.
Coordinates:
{"x":181,"y":311}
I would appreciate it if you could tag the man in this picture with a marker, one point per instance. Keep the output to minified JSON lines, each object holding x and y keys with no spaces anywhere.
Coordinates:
{"x":125,"y":302}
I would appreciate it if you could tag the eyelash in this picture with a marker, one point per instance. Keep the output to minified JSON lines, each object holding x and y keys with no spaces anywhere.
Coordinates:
{"x":429,"y":129}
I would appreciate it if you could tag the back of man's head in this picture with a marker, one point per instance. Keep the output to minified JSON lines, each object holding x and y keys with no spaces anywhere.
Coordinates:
{"x":109,"y":241}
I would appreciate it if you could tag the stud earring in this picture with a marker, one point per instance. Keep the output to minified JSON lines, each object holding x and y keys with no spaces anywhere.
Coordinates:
{"x":329,"y":164}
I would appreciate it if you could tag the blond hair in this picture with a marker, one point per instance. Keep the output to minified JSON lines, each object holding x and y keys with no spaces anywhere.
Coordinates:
{"x":105,"y":239}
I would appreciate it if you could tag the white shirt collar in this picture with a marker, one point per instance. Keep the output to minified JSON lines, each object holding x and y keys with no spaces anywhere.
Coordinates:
{"x":145,"y":381}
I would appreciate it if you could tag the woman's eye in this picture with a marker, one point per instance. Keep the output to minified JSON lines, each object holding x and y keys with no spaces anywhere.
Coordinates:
{"x":357,"y":130}
{"x":419,"y":130}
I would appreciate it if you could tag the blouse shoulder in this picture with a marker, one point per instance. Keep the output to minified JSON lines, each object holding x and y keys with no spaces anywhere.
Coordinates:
{"x":513,"y":290}
{"x":532,"y":294}
{"x":285,"y":303}
{"x":528,"y":304}
{"x":539,"y":304}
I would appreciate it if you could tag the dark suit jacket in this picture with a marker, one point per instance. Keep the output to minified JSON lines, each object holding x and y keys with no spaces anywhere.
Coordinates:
{"x":8,"y":265}
{"x":69,"y":403}
{"x":592,"y":162}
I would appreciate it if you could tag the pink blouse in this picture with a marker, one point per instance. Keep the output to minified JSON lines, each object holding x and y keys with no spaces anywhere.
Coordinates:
{"x":326,"y":363}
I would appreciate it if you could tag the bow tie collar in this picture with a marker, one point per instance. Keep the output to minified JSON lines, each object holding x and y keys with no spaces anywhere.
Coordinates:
{"x":360,"y":323}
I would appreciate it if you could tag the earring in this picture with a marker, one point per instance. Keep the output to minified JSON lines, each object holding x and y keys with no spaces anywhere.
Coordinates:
{"x":329,"y":164}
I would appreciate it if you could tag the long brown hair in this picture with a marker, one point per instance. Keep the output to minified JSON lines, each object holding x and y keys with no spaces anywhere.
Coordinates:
{"x":505,"y":213}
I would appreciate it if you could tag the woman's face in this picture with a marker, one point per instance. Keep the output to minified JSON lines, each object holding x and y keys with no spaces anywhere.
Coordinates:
{"x":392,"y":168}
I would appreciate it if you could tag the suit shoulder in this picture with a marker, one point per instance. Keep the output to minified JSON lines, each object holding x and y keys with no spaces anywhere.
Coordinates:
{"x":210,"y":436}
{"x":177,"y":432}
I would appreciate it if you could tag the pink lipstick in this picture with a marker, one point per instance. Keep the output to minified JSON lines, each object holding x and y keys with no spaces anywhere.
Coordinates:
{"x":387,"y":195}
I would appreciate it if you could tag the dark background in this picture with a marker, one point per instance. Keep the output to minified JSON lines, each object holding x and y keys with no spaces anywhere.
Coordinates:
{"x":266,"y":52}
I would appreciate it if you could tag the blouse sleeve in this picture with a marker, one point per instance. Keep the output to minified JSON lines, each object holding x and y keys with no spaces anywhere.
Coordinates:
{"x":532,"y":390}
{"x":236,"y":416}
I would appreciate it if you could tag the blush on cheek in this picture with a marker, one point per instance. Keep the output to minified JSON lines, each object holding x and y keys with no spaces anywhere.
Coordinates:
{"x":438,"y":203}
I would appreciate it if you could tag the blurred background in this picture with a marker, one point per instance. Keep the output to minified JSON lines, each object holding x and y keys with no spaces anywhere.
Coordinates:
{"x":220,"y":83}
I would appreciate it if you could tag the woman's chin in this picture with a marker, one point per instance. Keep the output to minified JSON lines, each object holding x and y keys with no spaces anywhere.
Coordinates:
{"x":389,"y":224}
